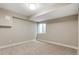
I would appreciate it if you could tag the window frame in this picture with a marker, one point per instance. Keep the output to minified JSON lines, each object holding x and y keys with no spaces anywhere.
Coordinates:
{"x":43,"y":29}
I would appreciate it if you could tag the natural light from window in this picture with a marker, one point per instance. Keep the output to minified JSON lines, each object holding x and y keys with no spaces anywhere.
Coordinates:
{"x":41,"y":28}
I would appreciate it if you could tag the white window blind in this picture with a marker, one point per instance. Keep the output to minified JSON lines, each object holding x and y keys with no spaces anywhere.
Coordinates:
{"x":41,"y":28}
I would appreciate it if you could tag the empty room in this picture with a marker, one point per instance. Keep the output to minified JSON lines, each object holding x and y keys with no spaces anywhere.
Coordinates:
{"x":39,"y":28}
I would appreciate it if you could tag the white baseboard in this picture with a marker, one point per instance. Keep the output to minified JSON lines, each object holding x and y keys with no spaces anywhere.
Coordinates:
{"x":60,"y":44}
{"x":50,"y":42}
{"x":14,"y":44}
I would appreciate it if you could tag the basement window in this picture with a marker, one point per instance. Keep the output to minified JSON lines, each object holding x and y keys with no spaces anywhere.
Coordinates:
{"x":41,"y":27}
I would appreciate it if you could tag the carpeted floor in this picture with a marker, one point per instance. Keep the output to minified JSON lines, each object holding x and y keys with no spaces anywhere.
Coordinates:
{"x":37,"y":48}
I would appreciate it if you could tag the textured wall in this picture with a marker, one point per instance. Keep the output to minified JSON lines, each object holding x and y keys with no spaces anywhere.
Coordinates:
{"x":20,"y":31}
{"x":63,"y":30}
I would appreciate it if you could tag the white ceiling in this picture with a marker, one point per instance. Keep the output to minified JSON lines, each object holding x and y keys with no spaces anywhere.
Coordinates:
{"x":44,"y":12}
{"x":67,"y":10}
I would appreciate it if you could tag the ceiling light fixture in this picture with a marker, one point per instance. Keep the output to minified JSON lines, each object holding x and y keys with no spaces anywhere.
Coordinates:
{"x":32,"y":6}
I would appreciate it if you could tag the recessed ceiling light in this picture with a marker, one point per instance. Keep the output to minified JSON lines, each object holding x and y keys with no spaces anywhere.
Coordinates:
{"x":32,"y":6}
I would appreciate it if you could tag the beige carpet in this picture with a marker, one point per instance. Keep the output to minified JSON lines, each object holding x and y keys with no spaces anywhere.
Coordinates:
{"x":37,"y":48}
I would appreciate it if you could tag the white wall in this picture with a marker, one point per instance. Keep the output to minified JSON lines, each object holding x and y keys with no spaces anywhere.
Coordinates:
{"x":20,"y":31}
{"x":78,"y":31}
{"x":62,"y":30}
